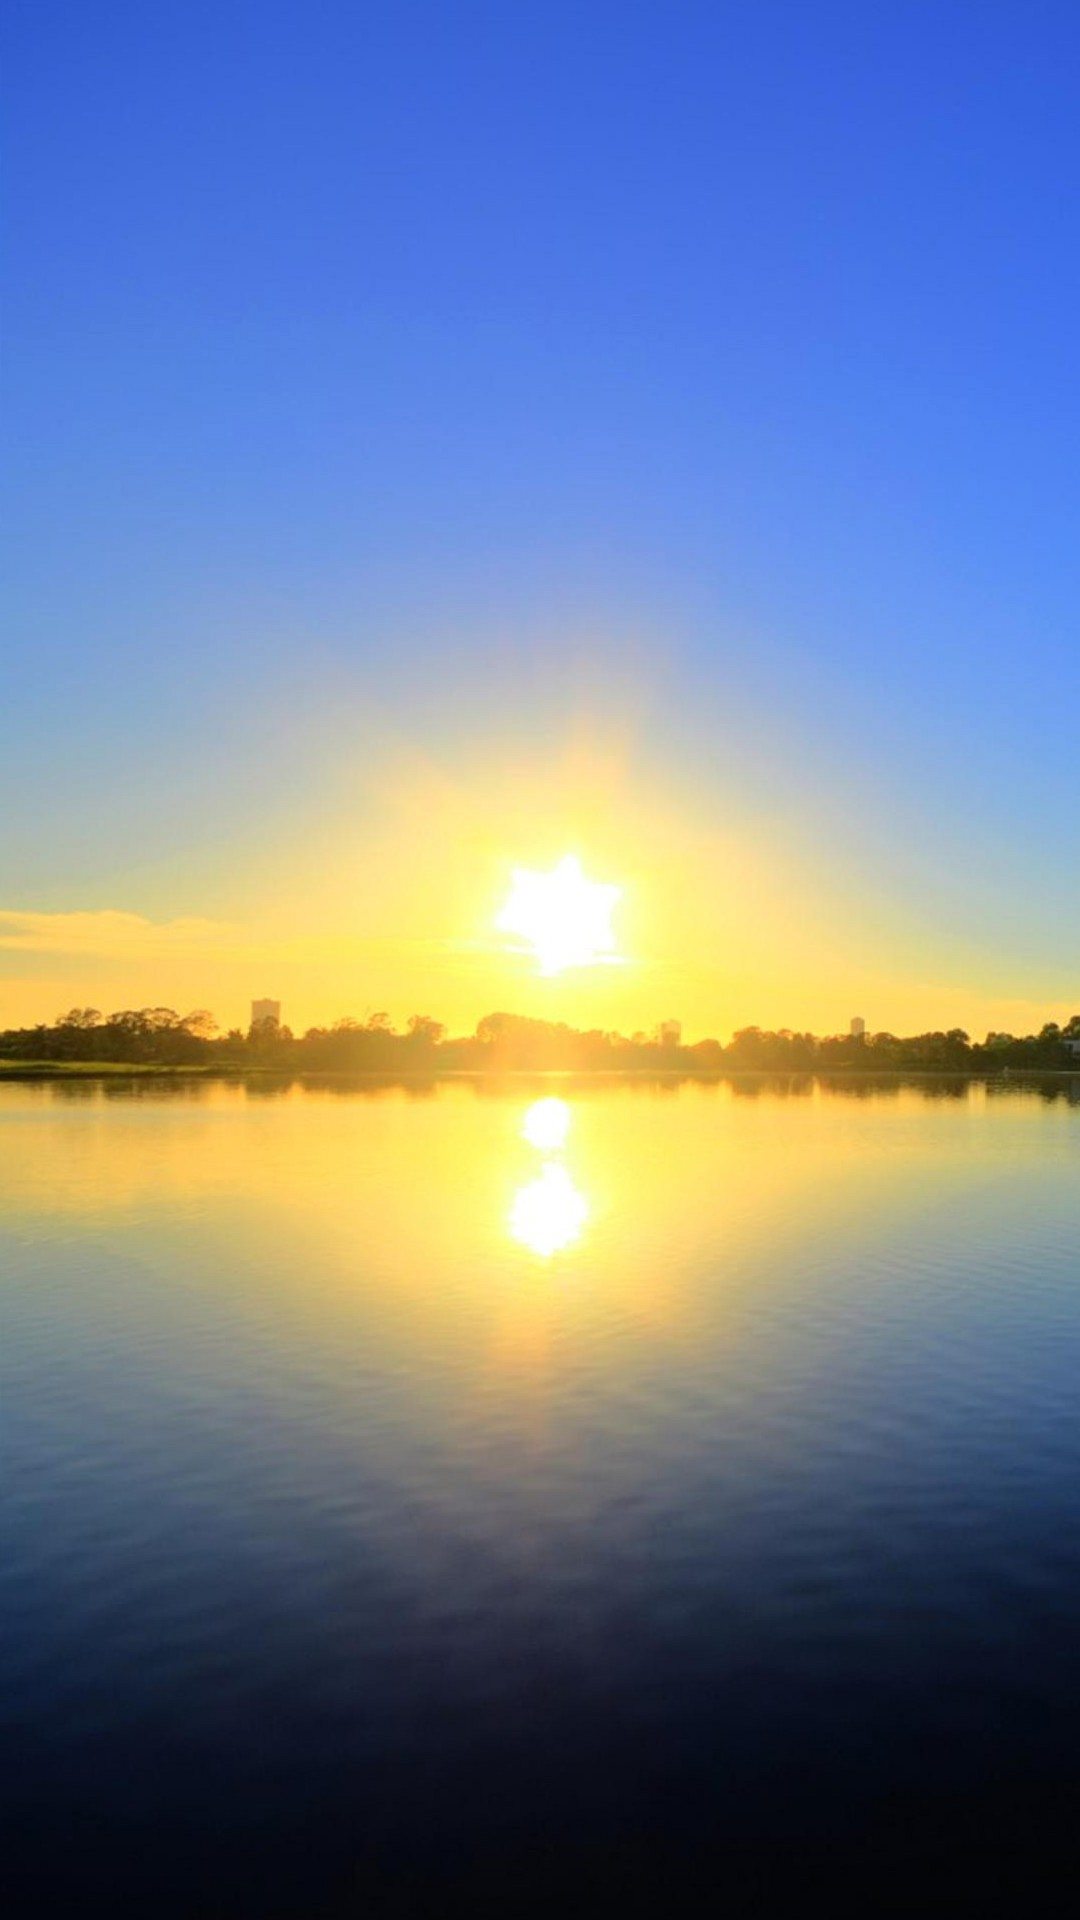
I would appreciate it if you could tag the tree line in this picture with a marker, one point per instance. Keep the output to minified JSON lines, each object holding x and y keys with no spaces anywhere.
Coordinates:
{"x":506,"y":1042}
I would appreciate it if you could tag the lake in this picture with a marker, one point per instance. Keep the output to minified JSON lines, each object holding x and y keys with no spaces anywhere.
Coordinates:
{"x":416,"y":1493}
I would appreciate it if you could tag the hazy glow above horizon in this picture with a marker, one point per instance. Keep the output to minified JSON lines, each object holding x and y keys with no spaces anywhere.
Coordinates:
{"x":563,"y":917}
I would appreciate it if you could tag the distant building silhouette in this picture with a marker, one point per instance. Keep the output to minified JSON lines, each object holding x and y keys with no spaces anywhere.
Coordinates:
{"x":670,"y":1033}
{"x":266,"y":1010}
{"x":858,"y":1028}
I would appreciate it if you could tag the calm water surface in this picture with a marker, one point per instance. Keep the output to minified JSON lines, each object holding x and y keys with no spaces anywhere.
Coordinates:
{"x":538,"y":1486}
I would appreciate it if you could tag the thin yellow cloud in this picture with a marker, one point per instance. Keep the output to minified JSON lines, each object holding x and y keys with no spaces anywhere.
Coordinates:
{"x":109,"y":934}
{"x":112,"y":935}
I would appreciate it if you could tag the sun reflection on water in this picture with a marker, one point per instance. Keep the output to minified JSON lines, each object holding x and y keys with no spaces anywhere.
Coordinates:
{"x":546,"y":1124}
{"x":549,"y":1212}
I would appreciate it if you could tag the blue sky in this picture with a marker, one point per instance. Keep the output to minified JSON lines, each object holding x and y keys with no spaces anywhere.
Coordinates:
{"x":472,"y":377}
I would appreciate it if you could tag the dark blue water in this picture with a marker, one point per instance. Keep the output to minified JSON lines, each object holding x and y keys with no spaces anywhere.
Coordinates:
{"x":410,"y":1502}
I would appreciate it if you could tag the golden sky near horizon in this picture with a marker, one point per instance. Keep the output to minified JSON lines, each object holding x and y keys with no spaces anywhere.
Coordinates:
{"x":389,"y":895}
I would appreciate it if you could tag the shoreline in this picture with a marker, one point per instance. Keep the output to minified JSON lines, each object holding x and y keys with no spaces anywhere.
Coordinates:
{"x":23,"y":1070}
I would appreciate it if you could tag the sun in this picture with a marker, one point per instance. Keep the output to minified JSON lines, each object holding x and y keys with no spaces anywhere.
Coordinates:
{"x":562,"y":916}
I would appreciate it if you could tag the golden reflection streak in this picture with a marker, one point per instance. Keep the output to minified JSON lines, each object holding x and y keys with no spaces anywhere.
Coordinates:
{"x":314,"y":1194}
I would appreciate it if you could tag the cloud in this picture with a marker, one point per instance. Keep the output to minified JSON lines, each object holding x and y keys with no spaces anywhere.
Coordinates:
{"x":107,"y":934}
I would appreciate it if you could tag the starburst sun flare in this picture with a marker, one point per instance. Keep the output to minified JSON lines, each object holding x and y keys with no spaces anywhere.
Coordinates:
{"x":562,"y":916}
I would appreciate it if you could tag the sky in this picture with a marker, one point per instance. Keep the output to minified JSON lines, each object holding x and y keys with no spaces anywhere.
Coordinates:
{"x":442,"y":437}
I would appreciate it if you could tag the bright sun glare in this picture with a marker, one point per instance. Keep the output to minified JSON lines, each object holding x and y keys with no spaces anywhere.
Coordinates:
{"x":546,"y":1124}
{"x":562,"y":916}
{"x":549,"y":1213}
